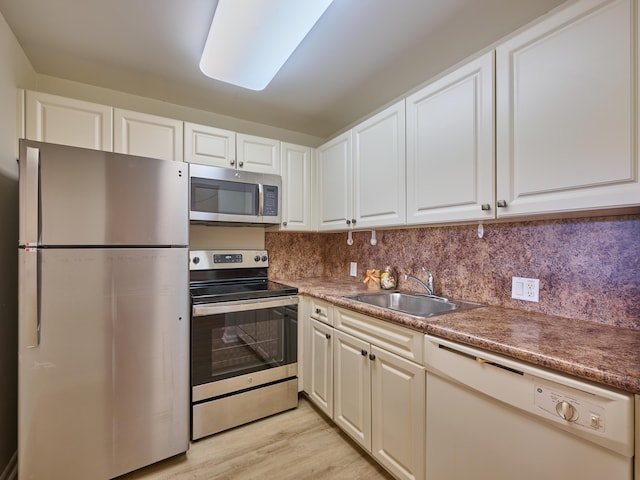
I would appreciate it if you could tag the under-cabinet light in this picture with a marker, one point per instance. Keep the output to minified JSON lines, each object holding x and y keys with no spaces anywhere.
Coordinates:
{"x":250,"y":40}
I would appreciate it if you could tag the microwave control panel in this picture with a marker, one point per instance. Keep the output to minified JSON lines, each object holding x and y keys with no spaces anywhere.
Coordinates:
{"x":270,"y":201}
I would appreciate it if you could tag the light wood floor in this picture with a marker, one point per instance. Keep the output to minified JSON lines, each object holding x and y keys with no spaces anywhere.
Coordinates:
{"x":294,"y":445}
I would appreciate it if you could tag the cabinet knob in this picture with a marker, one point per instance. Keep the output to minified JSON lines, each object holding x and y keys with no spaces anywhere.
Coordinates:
{"x":363,"y":352}
{"x":372,"y":356}
{"x":232,"y":162}
{"x":318,"y":311}
{"x":485,"y":206}
{"x":502,"y":203}
{"x":348,"y":222}
{"x":328,"y":336}
{"x":241,"y":164}
{"x":353,"y":220}
{"x":284,"y":224}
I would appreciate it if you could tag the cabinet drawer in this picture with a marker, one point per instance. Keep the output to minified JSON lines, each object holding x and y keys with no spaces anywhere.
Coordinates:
{"x":321,"y":311}
{"x":402,"y":341}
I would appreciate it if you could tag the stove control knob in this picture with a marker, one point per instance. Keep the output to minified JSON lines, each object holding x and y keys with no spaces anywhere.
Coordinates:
{"x":196,"y":260}
{"x":256,"y":258}
{"x":264,"y":258}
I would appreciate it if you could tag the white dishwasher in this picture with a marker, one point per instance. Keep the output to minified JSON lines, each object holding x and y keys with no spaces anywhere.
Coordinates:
{"x":492,"y":418}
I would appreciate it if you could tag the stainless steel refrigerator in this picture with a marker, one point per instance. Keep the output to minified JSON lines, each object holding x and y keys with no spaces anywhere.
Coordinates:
{"x":103,"y":311}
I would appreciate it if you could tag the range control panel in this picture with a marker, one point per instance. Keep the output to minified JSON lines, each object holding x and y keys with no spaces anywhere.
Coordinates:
{"x":221,"y":259}
{"x":570,"y":408}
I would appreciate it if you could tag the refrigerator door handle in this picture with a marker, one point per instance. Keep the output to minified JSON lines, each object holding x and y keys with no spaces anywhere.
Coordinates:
{"x":30,"y":198}
{"x":30,"y":297}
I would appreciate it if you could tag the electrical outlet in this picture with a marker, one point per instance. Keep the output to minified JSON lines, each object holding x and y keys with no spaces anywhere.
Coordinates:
{"x":527,"y":289}
{"x":353,"y":269}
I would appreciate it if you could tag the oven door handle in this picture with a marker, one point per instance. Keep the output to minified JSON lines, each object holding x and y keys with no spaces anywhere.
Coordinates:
{"x":242,"y":305}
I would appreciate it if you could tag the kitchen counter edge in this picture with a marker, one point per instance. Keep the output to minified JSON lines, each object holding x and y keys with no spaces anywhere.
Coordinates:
{"x":597,"y":352}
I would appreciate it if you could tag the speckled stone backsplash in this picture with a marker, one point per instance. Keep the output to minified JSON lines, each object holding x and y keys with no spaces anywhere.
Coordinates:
{"x":589,"y":269}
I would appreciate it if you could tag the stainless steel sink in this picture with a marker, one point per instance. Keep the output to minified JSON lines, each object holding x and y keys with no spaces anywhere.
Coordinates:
{"x":413,"y":304}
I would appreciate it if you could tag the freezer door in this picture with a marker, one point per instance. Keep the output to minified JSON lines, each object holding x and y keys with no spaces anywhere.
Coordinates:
{"x":106,"y":390}
{"x":77,"y":196}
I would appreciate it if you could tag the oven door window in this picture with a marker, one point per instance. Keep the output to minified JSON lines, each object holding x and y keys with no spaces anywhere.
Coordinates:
{"x":224,"y":197}
{"x":231,"y":344}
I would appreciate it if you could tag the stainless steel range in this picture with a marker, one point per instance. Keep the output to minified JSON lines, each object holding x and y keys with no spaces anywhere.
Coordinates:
{"x":243,"y":340}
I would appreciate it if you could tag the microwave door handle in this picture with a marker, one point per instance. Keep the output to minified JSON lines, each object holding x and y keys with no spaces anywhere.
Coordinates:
{"x":260,"y":199}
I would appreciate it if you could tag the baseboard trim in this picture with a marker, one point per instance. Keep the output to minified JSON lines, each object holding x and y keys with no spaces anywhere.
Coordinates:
{"x":10,"y":472}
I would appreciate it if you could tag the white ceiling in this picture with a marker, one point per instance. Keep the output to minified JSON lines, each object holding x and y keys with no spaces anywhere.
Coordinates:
{"x":361,"y":55}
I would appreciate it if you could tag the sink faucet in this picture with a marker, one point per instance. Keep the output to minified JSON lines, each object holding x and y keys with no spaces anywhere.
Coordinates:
{"x":427,"y":286}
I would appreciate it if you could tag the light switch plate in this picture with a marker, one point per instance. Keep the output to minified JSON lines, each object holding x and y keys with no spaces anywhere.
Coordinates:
{"x":527,"y":289}
{"x":353,"y":269}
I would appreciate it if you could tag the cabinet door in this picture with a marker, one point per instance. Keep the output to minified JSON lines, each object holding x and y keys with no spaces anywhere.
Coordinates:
{"x":398,"y":414}
{"x":209,"y":146}
{"x":352,"y":387}
{"x":450,"y":146}
{"x":379,"y":169}
{"x":257,"y":154}
{"x":66,"y":121}
{"x":335,"y":185}
{"x":319,"y":384}
{"x":147,"y":135}
{"x":567,"y":102}
{"x":296,"y":182}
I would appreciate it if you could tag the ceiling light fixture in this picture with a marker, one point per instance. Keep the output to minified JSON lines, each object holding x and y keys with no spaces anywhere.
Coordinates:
{"x":250,"y":40}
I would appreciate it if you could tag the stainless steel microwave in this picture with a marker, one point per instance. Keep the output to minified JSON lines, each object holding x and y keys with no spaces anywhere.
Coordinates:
{"x":231,"y":196}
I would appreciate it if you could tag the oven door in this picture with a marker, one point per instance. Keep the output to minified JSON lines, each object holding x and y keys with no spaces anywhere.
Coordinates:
{"x":242,"y":344}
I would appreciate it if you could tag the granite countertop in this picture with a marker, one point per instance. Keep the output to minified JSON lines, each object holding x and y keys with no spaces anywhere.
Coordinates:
{"x":597,"y":352}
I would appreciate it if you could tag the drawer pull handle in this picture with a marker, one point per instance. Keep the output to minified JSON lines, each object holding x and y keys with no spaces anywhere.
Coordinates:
{"x":502,"y":203}
{"x":318,"y":311}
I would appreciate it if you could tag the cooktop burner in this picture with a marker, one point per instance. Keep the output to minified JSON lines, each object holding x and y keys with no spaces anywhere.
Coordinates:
{"x":225,"y":275}
{"x":240,"y":290}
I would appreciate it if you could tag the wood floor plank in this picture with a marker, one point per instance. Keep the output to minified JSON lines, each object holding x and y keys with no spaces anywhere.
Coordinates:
{"x":295,"y":445}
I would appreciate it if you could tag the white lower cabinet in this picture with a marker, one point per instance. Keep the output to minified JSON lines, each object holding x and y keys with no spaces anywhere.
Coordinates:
{"x":320,"y":380}
{"x":317,"y":363}
{"x":379,"y":397}
{"x":352,"y":382}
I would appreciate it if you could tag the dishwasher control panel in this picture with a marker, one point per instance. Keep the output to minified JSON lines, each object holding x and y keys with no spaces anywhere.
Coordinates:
{"x":570,"y":408}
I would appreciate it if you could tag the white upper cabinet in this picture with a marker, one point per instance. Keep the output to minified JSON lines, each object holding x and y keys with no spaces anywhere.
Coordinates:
{"x":335,"y":196}
{"x":227,"y":149}
{"x":147,"y":135}
{"x":567,"y":103}
{"x":54,"y":119}
{"x":379,"y":169}
{"x":209,"y":146}
{"x":258,"y":154}
{"x":361,"y":174}
{"x":296,"y":183}
{"x":450,"y":146}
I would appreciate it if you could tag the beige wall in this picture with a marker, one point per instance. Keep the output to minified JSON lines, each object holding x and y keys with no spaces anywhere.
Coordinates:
{"x":15,"y":70}
{"x":81,"y":91}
